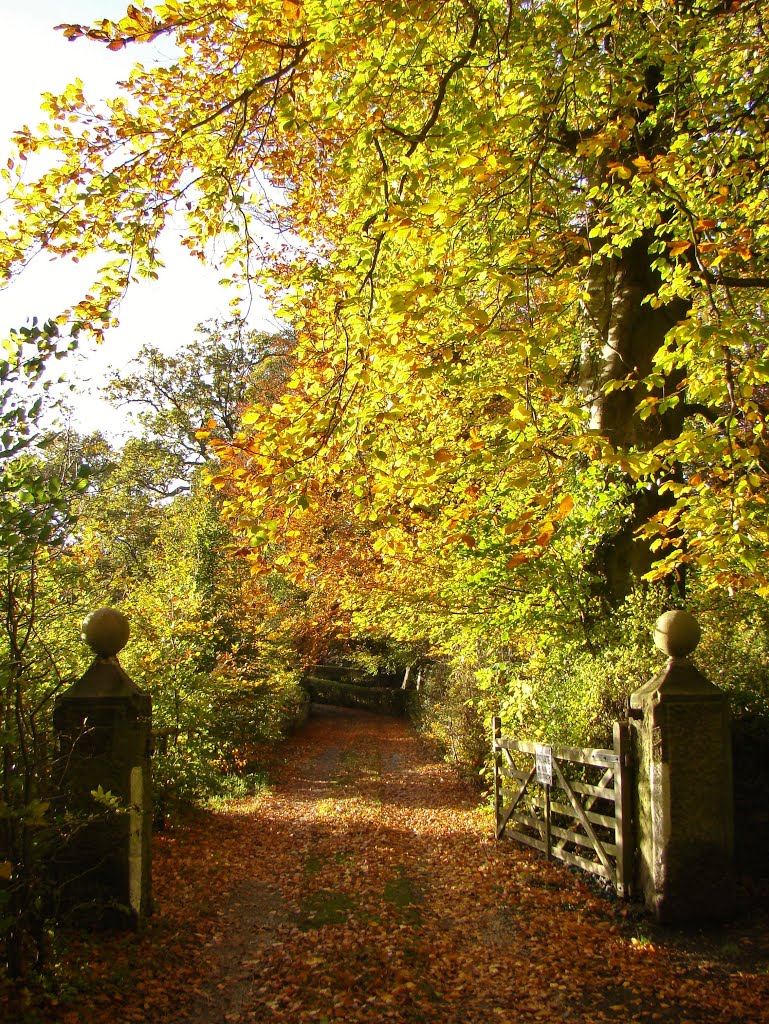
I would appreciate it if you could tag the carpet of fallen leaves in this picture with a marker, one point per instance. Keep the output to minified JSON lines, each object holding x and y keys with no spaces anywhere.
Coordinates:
{"x":366,"y":886}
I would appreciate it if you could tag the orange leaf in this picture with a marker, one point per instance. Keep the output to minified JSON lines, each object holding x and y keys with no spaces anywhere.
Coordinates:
{"x":679,"y":246}
{"x":546,"y":536}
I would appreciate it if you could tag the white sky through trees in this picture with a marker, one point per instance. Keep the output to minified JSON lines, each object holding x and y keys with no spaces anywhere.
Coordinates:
{"x":36,"y":59}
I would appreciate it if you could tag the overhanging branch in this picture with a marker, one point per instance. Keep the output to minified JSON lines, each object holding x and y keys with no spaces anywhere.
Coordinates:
{"x":416,"y":138}
{"x":735,"y":282}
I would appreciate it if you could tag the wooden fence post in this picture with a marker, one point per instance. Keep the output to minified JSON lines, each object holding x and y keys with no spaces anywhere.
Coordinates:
{"x":496,"y":735}
{"x":623,"y":810}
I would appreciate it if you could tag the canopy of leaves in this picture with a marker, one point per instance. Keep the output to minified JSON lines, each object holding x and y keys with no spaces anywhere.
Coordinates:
{"x":522,"y":248}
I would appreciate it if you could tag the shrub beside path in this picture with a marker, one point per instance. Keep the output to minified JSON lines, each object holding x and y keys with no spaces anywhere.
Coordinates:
{"x":366,"y":886}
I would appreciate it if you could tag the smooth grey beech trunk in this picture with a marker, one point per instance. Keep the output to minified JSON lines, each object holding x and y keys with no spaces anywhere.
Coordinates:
{"x":625,"y":332}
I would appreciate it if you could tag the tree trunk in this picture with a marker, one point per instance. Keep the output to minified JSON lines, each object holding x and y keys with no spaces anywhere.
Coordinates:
{"x":627,"y":332}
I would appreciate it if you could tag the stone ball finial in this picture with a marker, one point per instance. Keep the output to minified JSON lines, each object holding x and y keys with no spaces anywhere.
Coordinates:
{"x":677,"y":634}
{"x":106,"y":631}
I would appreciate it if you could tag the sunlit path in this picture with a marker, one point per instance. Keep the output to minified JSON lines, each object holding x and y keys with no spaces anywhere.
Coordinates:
{"x":365,"y":886}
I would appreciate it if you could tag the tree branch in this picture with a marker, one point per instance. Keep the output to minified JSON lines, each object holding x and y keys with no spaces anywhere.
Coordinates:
{"x":735,"y":282}
{"x":415,"y":139}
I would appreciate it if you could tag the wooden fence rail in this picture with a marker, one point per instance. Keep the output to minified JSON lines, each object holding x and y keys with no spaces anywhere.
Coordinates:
{"x":571,"y":803}
{"x":161,"y":739}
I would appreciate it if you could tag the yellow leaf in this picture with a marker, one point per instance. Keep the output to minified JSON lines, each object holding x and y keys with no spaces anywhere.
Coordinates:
{"x":468,"y":160}
{"x":566,"y":505}
{"x":621,"y":170}
{"x":6,"y":870}
{"x":679,"y":246}
{"x":443,"y":455}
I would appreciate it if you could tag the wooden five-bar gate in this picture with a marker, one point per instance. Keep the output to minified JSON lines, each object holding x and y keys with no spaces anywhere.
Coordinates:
{"x":569,"y":802}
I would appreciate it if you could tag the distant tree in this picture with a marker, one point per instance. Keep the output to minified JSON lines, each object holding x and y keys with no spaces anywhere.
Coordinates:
{"x":206,"y":383}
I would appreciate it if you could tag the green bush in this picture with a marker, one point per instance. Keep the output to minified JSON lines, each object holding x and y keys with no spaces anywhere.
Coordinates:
{"x":223,"y":723}
{"x":447,"y":712}
{"x":570,"y":687}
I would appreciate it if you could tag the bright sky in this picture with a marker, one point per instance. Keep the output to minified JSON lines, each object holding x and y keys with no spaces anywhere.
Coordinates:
{"x":35,"y":59}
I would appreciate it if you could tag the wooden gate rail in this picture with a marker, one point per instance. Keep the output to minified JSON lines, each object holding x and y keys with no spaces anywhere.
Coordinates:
{"x":584,"y":823}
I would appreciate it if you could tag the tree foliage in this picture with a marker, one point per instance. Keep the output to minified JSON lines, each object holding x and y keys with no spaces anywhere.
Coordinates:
{"x":150,"y":538}
{"x":523,"y":251}
{"x":183,"y":399}
{"x":35,"y":517}
{"x":526,"y":237}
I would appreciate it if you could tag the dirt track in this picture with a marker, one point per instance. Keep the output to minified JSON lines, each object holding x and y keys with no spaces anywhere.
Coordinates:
{"x":376,"y":893}
{"x":366,"y":887}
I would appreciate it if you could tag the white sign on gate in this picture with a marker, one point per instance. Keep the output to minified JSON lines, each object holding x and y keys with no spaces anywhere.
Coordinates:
{"x":544,"y":761}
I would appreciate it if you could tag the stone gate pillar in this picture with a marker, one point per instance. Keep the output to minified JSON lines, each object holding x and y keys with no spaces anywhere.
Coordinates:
{"x":684,"y":804}
{"x":103,"y":723}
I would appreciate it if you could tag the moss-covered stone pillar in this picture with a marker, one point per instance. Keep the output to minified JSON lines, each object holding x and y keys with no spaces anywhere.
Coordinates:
{"x":103,"y":725}
{"x":684,"y":807}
